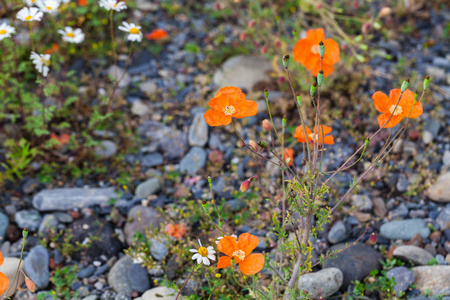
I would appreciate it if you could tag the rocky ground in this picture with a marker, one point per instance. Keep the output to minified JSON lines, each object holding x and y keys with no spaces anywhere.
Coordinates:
{"x":406,"y":200}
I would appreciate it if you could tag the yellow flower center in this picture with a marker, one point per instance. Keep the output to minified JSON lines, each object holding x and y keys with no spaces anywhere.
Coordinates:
{"x":45,"y":62}
{"x":48,"y":7}
{"x":239,"y":254}
{"x":70,"y":34}
{"x":203,"y":251}
{"x":315,"y":49}
{"x":313,"y":136}
{"x":28,"y":18}
{"x":3,"y":31}
{"x":229,"y":110}
{"x":397,"y":111}
{"x":134,"y":31}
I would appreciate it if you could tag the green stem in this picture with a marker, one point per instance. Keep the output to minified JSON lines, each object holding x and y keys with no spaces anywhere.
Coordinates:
{"x":17,"y":271}
{"x":31,"y":36}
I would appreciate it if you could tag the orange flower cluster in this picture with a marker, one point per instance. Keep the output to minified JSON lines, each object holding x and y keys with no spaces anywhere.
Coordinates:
{"x":176,"y":230}
{"x":317,"y":136}
{"x":386,"y":105}
{"x":157,"y":34}
{"x":229,"y":102}
{"x":4,"y":281}
{"x":241,"y":251}
{"x":306,"y":52}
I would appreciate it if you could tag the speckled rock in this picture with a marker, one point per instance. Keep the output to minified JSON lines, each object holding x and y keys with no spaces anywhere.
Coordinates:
{"x":433,"y":280}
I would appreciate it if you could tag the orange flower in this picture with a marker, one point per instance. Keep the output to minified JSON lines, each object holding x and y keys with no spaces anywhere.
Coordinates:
{"x":386,"y":105}
{"x":300,"y":135}
{"x":62,"y":139}
{"x":288,"y":152}
{"x":306,"y":52}
{"x":249,"y":264}
{"x":229,"y":102}
{"x":4,"y":281}
{"x":82,"y":2}
{"x":156,"y":34}
{"x":53,"y":49}
{"x":176,"y":230}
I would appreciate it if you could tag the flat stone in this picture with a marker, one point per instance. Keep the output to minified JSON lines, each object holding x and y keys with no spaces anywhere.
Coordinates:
{"x":194,"y":161}
{"x":48,"y":224}
{"x":337,"y":233}
{"x":444,"y":219}
{"x":158,"y":248}
{"x":138,"y":277}
{"x":65,"y":199}
{"x":161,"y":293}
{"x":149,"y":87}
{"x":242,"y":71}
{"x":432,"y":280}
{"x":362,"y":202}
{"x":36,"y":266}
{"x":148,"y":217}
{"x":106,"y":149}
{"x":116,"y":73}
{"x":440,"y":190}
{"x":325,"y":282}
{"x":152,"y":160}
{"x":415,"y":254}
{"x":404,"y":229}
{"x":28,"y":218}
{"x":9,"y":268}
{"x":117,"y":276}
{"x":139,"y":108}
{"x":403,"y":278}
{"x":198,"y":131}
{"x":147,"y":188}
{"x":4,"y":222}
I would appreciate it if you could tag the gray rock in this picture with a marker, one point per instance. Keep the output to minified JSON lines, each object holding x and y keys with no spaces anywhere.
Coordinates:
{"x":90,"y":297}
{"x":403,"y":278}
{"x":404,"y":229}
{"x":86,"y":272}
{"x":63,"y":217}
{"x":402,"y":184}
{"x":149,"y":87}
{"x":161,"y":293}
{"x":68,"y":198}
{"x":9,"y":268}
{"x":198,"y":131}
{"x":158,"y":249}
{"x":355,"y":262}
{"x":444,"y":219}
{"x":36,"y":266}
{"x":152,"y":160}
{"x":148,"y":217}
{"x":28,"y":218}
{"x":4,"y":222}
{"x":139,"y":108}
{"x":106,"y":149}
{"x":435,"y":72}
{"x":337,"y":233}
{"x":417,"y":255}
{"x":362,"y":202}
{"x":242,"y":71}
{"x":432,"y":280}
{"x":147,"y":188}
{"x":446,"y":158}
{"x":138,"y":277}
{"x":323,"y":283}
{"x":400,"y":211}
{"x":118,"y":276}
{"x":379,"y":207}
{"x":30,"y":185}
{"x":194,"y":161}
{"x":117,"y":73}
{"x":48,"y":224}
{"x":440,"y":190}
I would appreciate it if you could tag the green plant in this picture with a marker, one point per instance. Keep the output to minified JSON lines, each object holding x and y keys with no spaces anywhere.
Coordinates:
{"x":63,"y":279}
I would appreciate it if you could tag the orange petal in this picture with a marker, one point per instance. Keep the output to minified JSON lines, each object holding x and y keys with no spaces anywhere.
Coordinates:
{"x":216,"y":118}
{"x":332,"y":52}
{"x":219,"y":102}
{"x":315,"y":36}
{"x":381,"y":102}
{"x":313,"y":64}
{"x":246,"y":108}
{"x":392,"y":122}
{"x":252,"y":264}
{"x":329,"y":140}
{"x":224,"y":261}
{"x":227,"y":245}
{"x":302,"y":50}
{"x":4,"y":283}
{"x":299,"y":134}
{"x":327,"y":69}
{"x":231,"y":91}
{"x":394,"y":96}
{"x":1,"y":258}
{"x":323,"y":130}
{"x":248,"y":242}
{"x":407,"y":102}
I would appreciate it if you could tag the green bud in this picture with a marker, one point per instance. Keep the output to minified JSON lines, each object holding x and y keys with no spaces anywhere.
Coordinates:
{"x":366,"y":142}
{"x":205,"y":206}
{"x":320,"y":78}
{"x":405,"y":85}
{"x":220,"y":223}
{"x":299,"y":100}
{"x":25,"y":232}
{"x":266,"y":94}
{"x":209,"y":179}
{"x":232,"y":261}
{"x":262,"y":144}
{"x":426,"y":82}
{"x":321,"y":49}
{"x":415,"y":96}
{"x":313,"y":89}
{"x":284,"y":121}
{"x":285,"y":60}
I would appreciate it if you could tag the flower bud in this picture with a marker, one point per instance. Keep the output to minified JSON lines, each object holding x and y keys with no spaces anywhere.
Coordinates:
{"x":284,"y":121}
{"x":366,"y":142}
{"x":251,"y":23}
{"x":299,"y":100}
{"x":266,"y":94}
{"x":245,"y":186}
{"x":320,"y":78}
{"x":232,"y":261}
{"x":240,"y":144}
{"x":373,"y":238}
{"x":30,"y":284}
{"x":384,"y":12}
{"x":313,"y":89}
{"x":263,"y":49}
{"x":262,"y":144}
{"x":205,"y":206}
{"x":288,"y":161}
{"x":220,"y":223}
{"x":321,"y":49}
{"x":405,"y":85}
{"x":242,"y":36}
{"x":415,"y":96}
{"x":25,"y":232}
{"x":266,"y":125}
{"x":426,"y":82}
{"x":253,"y":144}
{"x":285,"y":60}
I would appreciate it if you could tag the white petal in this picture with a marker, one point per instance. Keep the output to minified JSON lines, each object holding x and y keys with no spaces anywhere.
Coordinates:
{"x":212,"y":257}
{"x":196,"y":256}
{"x":200,"y":243}
{"x":199,"y":260}
{"x":206,"y":261}
{"x":193,"y":250}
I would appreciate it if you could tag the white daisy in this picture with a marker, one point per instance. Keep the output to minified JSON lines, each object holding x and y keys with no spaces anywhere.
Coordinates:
{"x":72,"y":36}
{"x":29,"y":14}
{"x":41,"y":61}
{"x":221,"y":237}
{"x":135,"y":34}
{"x":203,"y":255}
{"x":31,"y":2}
{"x":6,"y":31}
{"x":48,"y":6}
{"x":112,"y":4}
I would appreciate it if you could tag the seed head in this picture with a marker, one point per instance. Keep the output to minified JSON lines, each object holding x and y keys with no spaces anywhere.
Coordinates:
{"x":266,"y":125}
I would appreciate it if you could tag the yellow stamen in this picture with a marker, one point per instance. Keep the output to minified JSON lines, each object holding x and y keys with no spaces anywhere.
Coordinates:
{"x":239,"y":254}
{"x":3,"y":31}
{"x":203,"y":251}
{"x":48,"y":7}
{"x":134,"y":31}
{"x":70,"y":34}
{"x":315,"y":49}
{"x":45,"y":62}
{"x":313,"y":136}
{"x":28,"y":18}
{"x":229,"y":110}
{"x":397,"y":111}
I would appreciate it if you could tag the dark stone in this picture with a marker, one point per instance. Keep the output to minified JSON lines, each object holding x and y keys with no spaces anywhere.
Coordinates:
{"x":138,"y":277}
{"x":403,"y":278}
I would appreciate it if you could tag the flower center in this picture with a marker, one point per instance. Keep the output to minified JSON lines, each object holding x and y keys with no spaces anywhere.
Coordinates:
{"x":397,"y":111}
{"x":203,"y":251}
{"x":134,"y":31}
{"x":3,"y":31}
{"x":313,"y":136}
{"x":48,"y":7}
{"x":229,"y":110}
{"x":45,"y":62}
{"x":315,"y":49}
{"x":28,"y":18}
{"x":239,"y":254}
{"x":70,"y":34}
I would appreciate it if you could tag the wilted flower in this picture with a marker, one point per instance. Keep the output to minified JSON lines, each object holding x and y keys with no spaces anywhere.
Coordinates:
{"x":41,"y":62}
{"x":72,"y":36}
{"x":48,"y":6}
{"x":245,"y":185}
{"x":112,"y":4}
{"x":203,"y":255}
{"x":135,"y":34}
{"x":30,"y":284}
{"x":385,"y":11}
{"x":266,"y":125}
{"x":373,"y":238}
{"x":6,"y":31}
{"x":253,"y":144}
{"x":29,"y":14}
